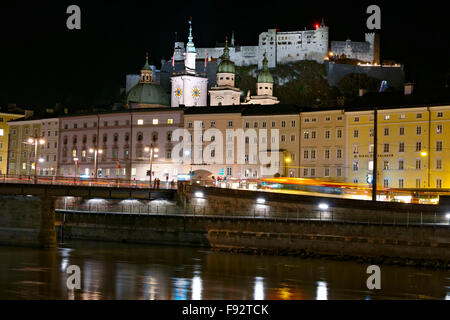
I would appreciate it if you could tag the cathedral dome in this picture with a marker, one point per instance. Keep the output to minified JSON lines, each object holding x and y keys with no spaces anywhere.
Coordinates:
{"x":265,"y":76}
{"x":148,"y":93}
{"x":226,"y":65}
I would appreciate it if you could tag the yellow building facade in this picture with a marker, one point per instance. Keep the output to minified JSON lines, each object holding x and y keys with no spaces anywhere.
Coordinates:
{"x":20,"y":153}
{"x":412,"y":149}
{"x":4,"y":132}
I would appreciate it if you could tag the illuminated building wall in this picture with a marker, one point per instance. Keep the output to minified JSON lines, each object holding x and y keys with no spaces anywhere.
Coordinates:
{"x":4,"y":118}
{"x":323,"y":137}
{"x":411,"y":147}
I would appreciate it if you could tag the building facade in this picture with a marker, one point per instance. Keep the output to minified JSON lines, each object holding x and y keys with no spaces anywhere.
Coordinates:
{"x":119,"y":145}
{"x":4,"y":143}
{"x":411,"y":147}
{"x":323,"y":145}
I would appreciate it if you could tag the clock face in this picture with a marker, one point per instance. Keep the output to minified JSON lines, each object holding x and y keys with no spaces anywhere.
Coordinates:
{"x":178,"y":92}
{"x":196,"y":93}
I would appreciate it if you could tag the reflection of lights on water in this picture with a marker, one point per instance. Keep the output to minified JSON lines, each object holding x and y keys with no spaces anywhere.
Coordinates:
{"x":150,"y":286}
{"x":447,"y":296}
{"x":64,"y":264}
{"x":196,"y":288}
{"x":258,"y":293}
{"x":322,"y":291}
{"x":180,"y":287}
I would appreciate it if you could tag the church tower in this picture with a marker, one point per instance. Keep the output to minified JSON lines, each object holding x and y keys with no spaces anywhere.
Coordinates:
{"x":189,"y":88}
{"x":225,"y":93}
{"x":264,"y":87}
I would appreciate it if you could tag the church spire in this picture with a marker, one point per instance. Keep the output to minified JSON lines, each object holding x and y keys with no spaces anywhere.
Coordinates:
{"x":146,"y":65}
{"x":226,"y":51}
{"x":190,"y":45}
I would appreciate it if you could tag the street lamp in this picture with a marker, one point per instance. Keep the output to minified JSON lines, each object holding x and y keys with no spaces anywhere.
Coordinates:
{"x":36,"y":142}
{"x":153,"y":154}
{"x":424,"y":154}
{"x":287,"y":160}
{"x":95,"y":151}
{"x":76,"y":167}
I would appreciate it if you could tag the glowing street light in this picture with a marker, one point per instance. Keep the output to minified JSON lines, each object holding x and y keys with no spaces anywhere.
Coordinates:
{"x":153,"y":154}
{"x":36,"y":142}
{"x":287,"y":160}
{"x":95,"y":151}
{"x":423,"y":153}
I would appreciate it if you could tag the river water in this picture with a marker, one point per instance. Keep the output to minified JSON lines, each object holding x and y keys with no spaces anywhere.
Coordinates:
{"x":131,"y":271}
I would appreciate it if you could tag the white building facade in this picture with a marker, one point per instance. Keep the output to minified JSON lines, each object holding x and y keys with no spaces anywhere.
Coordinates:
{"x":118,"y":144}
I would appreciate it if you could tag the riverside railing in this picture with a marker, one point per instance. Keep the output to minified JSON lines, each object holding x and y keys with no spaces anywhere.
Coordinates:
{"x":288,"y":215}
{"x":89,"y":182}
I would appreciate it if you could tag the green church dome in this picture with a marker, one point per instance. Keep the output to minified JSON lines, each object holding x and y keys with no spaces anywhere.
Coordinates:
{"x":265,"y":76}
{"x":148,"y":93}
{"x":226,"y":65}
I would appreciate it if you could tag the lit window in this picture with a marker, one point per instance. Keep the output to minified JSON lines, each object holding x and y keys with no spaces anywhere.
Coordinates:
{"x":1,"y":132}
{"x":169,"y":121}
{"x":140,"y":122}
{"x":155,"y":121}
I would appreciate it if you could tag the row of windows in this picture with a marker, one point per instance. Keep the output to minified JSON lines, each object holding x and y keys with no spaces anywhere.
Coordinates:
{"x":139,"y":122}
{"x":327,"y":119}
{"x":312,"y":134}
{"x":139,"y":138}
{"x":386,"y":165}
{"x":401,"y":132}
{"x":401,"y":147}
{"x":401,"y":116}
{"x":311,"y":154}
{"x":313,"y":172}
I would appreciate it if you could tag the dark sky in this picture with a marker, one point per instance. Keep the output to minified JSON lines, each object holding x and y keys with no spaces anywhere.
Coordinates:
{"x":42,"y":62}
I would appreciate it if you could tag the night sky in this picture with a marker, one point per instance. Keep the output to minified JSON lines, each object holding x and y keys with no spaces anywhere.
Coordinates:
{"x":42,"y":62}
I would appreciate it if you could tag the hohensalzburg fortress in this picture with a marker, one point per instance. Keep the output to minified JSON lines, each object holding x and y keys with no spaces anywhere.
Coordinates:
{"x":292,"y":46}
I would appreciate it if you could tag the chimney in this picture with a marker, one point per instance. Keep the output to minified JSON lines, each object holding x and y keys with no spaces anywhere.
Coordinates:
{"x":409,"y":88}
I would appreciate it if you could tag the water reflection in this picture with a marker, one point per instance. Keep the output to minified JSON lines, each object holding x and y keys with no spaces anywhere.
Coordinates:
{"x":259,"y":289}
{"x":196,"y":288}
{"x":322,"y":291}
{"x":124,"y":271}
